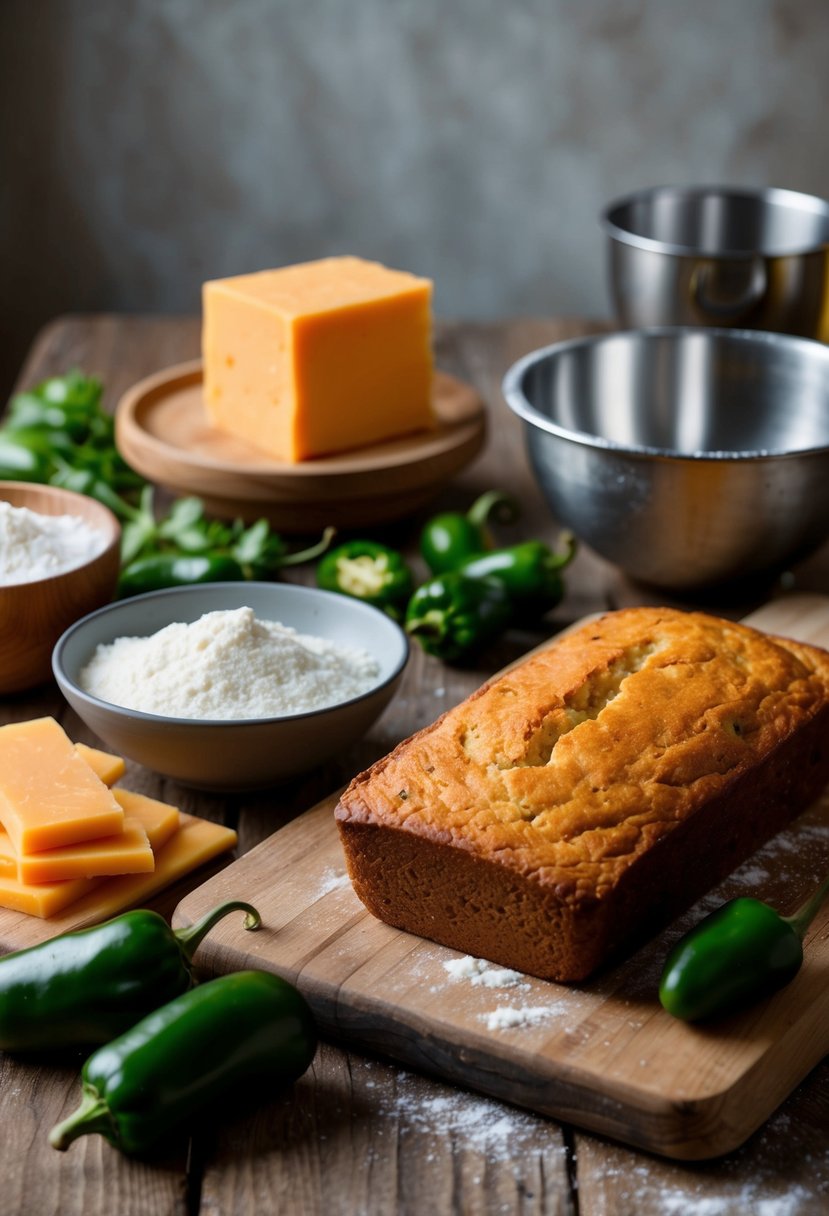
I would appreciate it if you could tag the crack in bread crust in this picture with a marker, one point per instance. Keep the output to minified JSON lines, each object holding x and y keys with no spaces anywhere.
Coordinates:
{"x":646,"y":729}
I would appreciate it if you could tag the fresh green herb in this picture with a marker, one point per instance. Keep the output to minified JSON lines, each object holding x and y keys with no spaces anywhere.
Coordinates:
{"x":59,"y":433}
{"x":185,"y":547}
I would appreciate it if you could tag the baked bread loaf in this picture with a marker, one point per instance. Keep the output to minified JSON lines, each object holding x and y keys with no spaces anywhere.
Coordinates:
{"x":591,"y":792}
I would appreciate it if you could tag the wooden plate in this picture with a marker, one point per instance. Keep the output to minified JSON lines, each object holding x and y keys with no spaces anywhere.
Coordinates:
{"x":162,"y":430}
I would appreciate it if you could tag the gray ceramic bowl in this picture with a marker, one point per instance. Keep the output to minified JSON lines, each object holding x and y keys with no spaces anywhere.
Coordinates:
{"x":234,"y":755}
{"x":688,"y":457}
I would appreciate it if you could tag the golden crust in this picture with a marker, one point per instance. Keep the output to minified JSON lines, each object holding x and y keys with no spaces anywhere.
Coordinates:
{"x":568,"y":770}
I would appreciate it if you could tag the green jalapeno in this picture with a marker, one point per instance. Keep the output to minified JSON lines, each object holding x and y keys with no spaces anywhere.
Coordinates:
{"x":452,"y":616}
{"x":250,"y":1029}
{"x":88,"y":986}
{"x":367,"y":571}
{"x":740,"y":953}
{"x":530,"y":571}
{"x":173,"y":570}
{"x":451,"y":537}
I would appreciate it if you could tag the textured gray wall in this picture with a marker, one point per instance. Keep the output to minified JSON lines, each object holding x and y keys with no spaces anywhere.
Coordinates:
{"x":150,"y":144}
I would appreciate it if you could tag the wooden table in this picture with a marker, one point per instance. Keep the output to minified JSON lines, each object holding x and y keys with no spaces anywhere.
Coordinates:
{"x":357,"y":1135}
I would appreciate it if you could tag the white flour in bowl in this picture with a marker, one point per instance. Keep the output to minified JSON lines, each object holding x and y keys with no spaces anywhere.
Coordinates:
{"x":34,"y":546}
{"x":227,"y":666}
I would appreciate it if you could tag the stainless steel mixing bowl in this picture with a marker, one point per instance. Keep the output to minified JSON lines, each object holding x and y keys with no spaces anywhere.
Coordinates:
{"x":756,"y":259}
{"x":689,"y":457}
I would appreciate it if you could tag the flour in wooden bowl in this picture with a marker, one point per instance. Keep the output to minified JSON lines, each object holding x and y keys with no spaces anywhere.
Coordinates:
{"x":35,"y":546}
{"x":228,"y":665}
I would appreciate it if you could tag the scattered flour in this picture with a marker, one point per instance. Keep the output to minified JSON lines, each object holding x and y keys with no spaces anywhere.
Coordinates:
{"x":507,"y":1016}
{"x":34,"y":546}
{"x":330,"y":881}
{"x":227,"y":666}
{"x":480,"y":973}
{"x":498,"y":1131}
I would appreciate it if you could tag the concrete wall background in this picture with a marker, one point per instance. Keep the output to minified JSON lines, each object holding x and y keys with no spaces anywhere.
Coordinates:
{"x":150,"y":144}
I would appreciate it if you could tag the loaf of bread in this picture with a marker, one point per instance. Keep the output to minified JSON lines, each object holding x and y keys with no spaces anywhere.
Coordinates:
{"x":578,"y":801}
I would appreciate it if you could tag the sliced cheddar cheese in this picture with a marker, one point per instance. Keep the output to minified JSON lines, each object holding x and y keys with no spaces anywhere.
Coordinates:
{"x":196,"y":842}
{"x":49,"y":795}
{"x":109,"y":768}
{"x":318,"y":358}
{"x":148,"y":826}
{"x":129,"y":852}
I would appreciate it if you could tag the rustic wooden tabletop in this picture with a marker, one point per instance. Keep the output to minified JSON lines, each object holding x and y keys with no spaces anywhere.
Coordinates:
{"x":358,"y":1135}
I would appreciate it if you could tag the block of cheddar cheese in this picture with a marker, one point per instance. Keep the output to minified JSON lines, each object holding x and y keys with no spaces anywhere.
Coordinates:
{"x":318,"y":358}
{"x":49,"y":795}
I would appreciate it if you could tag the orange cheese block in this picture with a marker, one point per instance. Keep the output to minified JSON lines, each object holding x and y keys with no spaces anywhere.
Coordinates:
{"x":109,"y":768}
{"x":49,"y":795}
{"x":90,"y":900}
{"x":318,"y":358}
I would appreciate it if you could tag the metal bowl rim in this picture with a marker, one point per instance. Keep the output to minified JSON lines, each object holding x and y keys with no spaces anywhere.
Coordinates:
{"x":772,"y":194}
{"x":517,"y":400}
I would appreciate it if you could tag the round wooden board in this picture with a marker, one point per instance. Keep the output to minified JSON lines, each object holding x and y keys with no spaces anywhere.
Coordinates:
{"x":162,"y":430}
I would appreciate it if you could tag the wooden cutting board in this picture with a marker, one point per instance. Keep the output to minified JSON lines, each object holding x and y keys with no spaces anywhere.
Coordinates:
{"x":602,"y":1055}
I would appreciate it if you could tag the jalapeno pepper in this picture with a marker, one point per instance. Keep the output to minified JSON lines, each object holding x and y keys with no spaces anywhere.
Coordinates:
{"x":530,"y":571}
{"x":367,"y":571}
{"x":248,"y":1029}
{"x":452,"y":537}
{"x":740,"y":953}
{"x":88,"y":986}
{"x":452,"y":616}
{"x":172,"y":570}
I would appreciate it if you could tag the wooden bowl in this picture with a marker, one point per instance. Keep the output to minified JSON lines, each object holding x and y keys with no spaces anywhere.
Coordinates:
{"x":34,"y":614}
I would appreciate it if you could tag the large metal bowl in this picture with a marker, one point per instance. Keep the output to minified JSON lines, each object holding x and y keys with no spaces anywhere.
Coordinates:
{"x":756,"y":259}
{"x":688,"y":457}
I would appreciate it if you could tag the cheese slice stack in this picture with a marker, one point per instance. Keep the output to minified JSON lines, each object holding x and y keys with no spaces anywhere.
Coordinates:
{"x":98,"y":850}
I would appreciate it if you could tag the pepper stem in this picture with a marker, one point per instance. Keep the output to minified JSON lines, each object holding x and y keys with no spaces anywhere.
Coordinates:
{"x":93,"y":1115}
{"x":308,"y":555}
{"x":806,"y":913}
{"x":190,"y":938}
{"x":494,"y":502}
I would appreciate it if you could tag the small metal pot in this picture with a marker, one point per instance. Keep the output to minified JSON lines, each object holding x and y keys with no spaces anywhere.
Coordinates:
{"x":688,"y":457}
{"x":756,"y":259}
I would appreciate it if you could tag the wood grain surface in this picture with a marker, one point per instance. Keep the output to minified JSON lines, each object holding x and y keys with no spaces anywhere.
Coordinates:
{"x":356,"y":1135}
